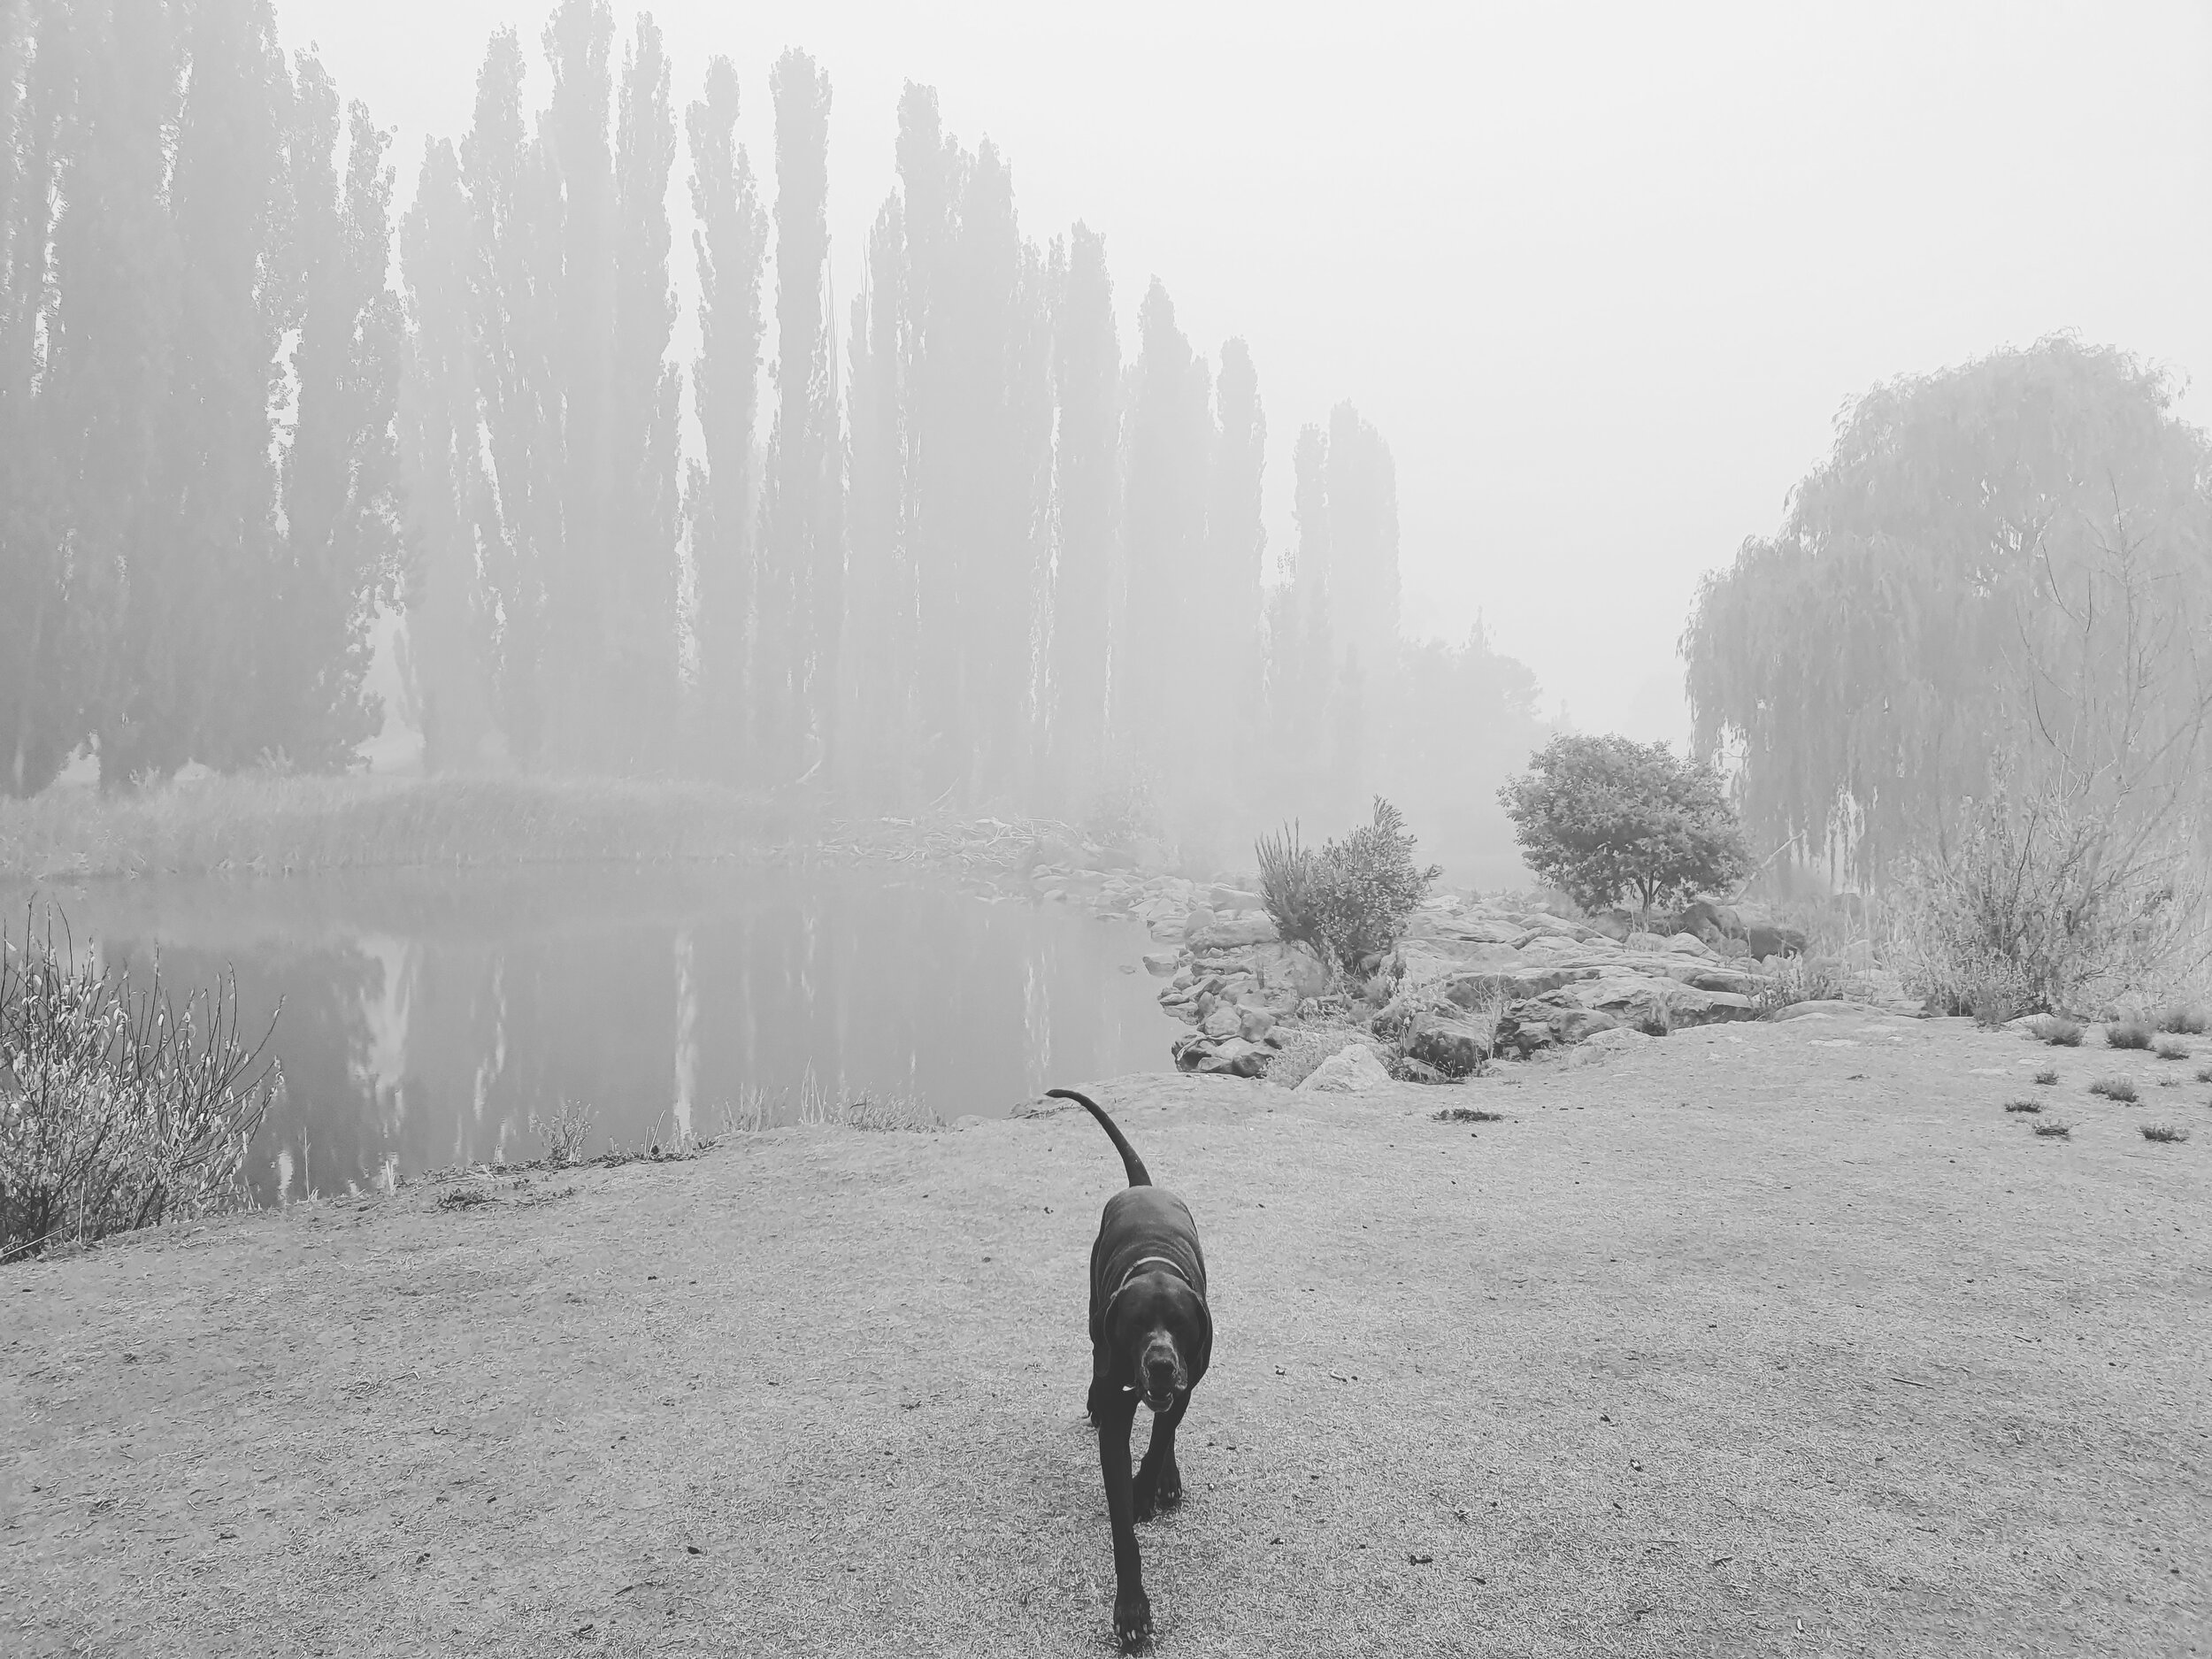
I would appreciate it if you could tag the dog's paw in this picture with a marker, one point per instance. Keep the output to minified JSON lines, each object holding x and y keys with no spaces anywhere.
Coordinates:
{"x":1156,"y":1489}
{"x":1133,"y":1620}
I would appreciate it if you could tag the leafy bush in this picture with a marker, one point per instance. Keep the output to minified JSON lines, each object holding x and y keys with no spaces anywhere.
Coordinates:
{"x":1351,"y":899}
{"x":118,"y":1109}
{"x":1601,"y":816}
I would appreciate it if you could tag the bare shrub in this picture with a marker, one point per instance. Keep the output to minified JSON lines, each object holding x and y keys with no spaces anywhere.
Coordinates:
{"x":119,"y":1107}
{"x":2045,"y":904}
{"x":564,"y":1134}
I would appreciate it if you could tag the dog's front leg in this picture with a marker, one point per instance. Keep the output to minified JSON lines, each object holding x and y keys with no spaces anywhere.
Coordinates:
{"x":1159,"y":1482}
{"x":1132,"y":1610}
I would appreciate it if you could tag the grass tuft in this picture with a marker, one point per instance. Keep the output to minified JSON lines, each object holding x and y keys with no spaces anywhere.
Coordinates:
{"x":2164,"y":1133}
{"x":2128,"y":1033}
{"x":2189,"y":1019}
{"x":2048,"y":1075}
{"x":2171,"y":1048}
{"x":2059,"y":1031}
{"x":2115,"y":1088}
{"x":2023,"y":1106}
{"x":1469,"y":1115}
{"x":2053,"y":1130}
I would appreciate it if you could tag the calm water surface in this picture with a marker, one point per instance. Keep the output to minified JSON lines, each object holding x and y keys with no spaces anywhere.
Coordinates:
{"x":424,"y":1018}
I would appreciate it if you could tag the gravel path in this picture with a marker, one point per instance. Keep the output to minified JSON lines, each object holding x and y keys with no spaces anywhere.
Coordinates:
{"x":1761,"y":1340}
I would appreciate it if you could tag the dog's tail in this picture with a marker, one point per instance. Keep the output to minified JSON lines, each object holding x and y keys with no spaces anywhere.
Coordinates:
{"x":1130,"y":1161}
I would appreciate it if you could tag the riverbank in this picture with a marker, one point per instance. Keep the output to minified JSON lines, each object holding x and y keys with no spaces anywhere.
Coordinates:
{"x":254,"y":824}
{"x":1756,"y":1337}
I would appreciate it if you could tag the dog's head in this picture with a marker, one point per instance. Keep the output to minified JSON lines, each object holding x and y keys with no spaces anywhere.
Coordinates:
{"x":1159,"y":1334}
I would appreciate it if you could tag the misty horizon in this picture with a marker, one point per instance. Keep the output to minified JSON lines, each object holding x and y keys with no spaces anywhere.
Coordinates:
{"x":1554,"y":416}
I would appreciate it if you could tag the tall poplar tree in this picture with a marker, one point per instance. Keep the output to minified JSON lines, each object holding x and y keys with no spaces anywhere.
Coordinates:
{"x":1086,"y":461}
{"x":190,"y":685}
{"x":338,"y":559}
{"x":802,"y":564}
{"x":729,"y":245}
{"x":879,"y":725}
{"x":579,"y":560}
{"x":514,"y":293}
{"x":1170,"y":448}
{"x":1236,"y":545}
{"x":642,"y":515}
{"x":448,"y":497}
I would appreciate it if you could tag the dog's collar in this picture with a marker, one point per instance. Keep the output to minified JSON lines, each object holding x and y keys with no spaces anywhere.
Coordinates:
{"x":1138,"y":1265}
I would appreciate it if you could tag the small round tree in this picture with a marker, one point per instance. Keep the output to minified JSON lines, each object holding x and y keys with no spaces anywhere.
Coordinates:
{"x":1598,"y":817}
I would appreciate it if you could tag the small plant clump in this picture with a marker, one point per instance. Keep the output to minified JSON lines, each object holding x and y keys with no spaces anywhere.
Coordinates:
{"x":2171,"y":1048}
{"x":2187,"y":1019}
{"x":2048,"y":1075}
{"x":1469,"y":1115}
{"x":2204,"y":1074}
{"x":2023,"y":1106}
{"x":463,"y":1198}
{"x":2053,"y":1131}
{"x":2164,"y":1133}
{"x":2128,"y":1033}
{"x":2115,"y":1088}
{"x":2059,"y":1031}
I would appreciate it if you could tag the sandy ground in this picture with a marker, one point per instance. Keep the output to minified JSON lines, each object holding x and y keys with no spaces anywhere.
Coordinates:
{"x":1771,"y":1340}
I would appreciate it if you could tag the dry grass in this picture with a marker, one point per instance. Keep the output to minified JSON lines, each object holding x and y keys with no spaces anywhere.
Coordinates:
{"x":2115,"y":1088}
{"x":2023,"y":1106}
{"x":2058,"y":1030}
{"x":2164,"y":1134}
{"x":2128,"y":1033}
{"x":2053,"y":1130}
{"x":270,"y":824}
{"x":2047,"y":1075}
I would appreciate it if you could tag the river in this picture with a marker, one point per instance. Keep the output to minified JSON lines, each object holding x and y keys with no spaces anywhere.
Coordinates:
{"x":422,"y":1018}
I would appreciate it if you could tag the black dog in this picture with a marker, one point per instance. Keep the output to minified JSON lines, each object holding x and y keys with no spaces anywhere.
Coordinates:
{"x":1151,"y":1340}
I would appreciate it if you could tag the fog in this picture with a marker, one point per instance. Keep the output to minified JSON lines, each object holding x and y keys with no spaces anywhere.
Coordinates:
{"x":1172,"y":428}
{"x":1602,"y":277}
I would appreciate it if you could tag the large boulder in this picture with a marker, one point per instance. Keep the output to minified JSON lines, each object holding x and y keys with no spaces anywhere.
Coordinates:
{"x":1351,"y":1069}
{"x":1454,"y":1047}
{"x":1233,"y":1056}
{"x":1219,"y":933}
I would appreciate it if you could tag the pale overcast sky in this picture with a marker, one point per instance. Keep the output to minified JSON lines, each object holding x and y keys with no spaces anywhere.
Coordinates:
{"x":1602,"y":275}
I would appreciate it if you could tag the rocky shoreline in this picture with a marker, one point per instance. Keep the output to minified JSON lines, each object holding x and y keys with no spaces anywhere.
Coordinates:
{"x":1472,"y":981}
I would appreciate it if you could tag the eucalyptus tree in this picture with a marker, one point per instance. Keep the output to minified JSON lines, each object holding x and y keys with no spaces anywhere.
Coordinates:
{"x":2001,"y":575}
{"x":729,"y":245}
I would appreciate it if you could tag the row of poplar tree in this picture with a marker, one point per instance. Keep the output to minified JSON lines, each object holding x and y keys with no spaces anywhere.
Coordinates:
{"x":966,"y":551}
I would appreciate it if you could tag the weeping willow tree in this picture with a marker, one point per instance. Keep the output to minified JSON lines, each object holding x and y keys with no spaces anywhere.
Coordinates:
{"x":2000,"y":579}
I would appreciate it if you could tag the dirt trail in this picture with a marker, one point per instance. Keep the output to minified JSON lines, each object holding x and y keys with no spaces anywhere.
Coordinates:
{"x":1771,"y":1339}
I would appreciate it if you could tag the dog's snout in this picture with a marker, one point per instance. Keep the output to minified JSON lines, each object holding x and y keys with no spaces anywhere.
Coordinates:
{"x":1159,"y":1372}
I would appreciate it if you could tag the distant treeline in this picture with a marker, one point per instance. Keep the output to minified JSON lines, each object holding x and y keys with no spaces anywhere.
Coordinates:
{"x":954,"y":546}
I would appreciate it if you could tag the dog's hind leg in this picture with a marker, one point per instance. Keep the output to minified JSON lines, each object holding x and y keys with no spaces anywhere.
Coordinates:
{"x":1159,"y":1483}
{"x":1132,"y":1608}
